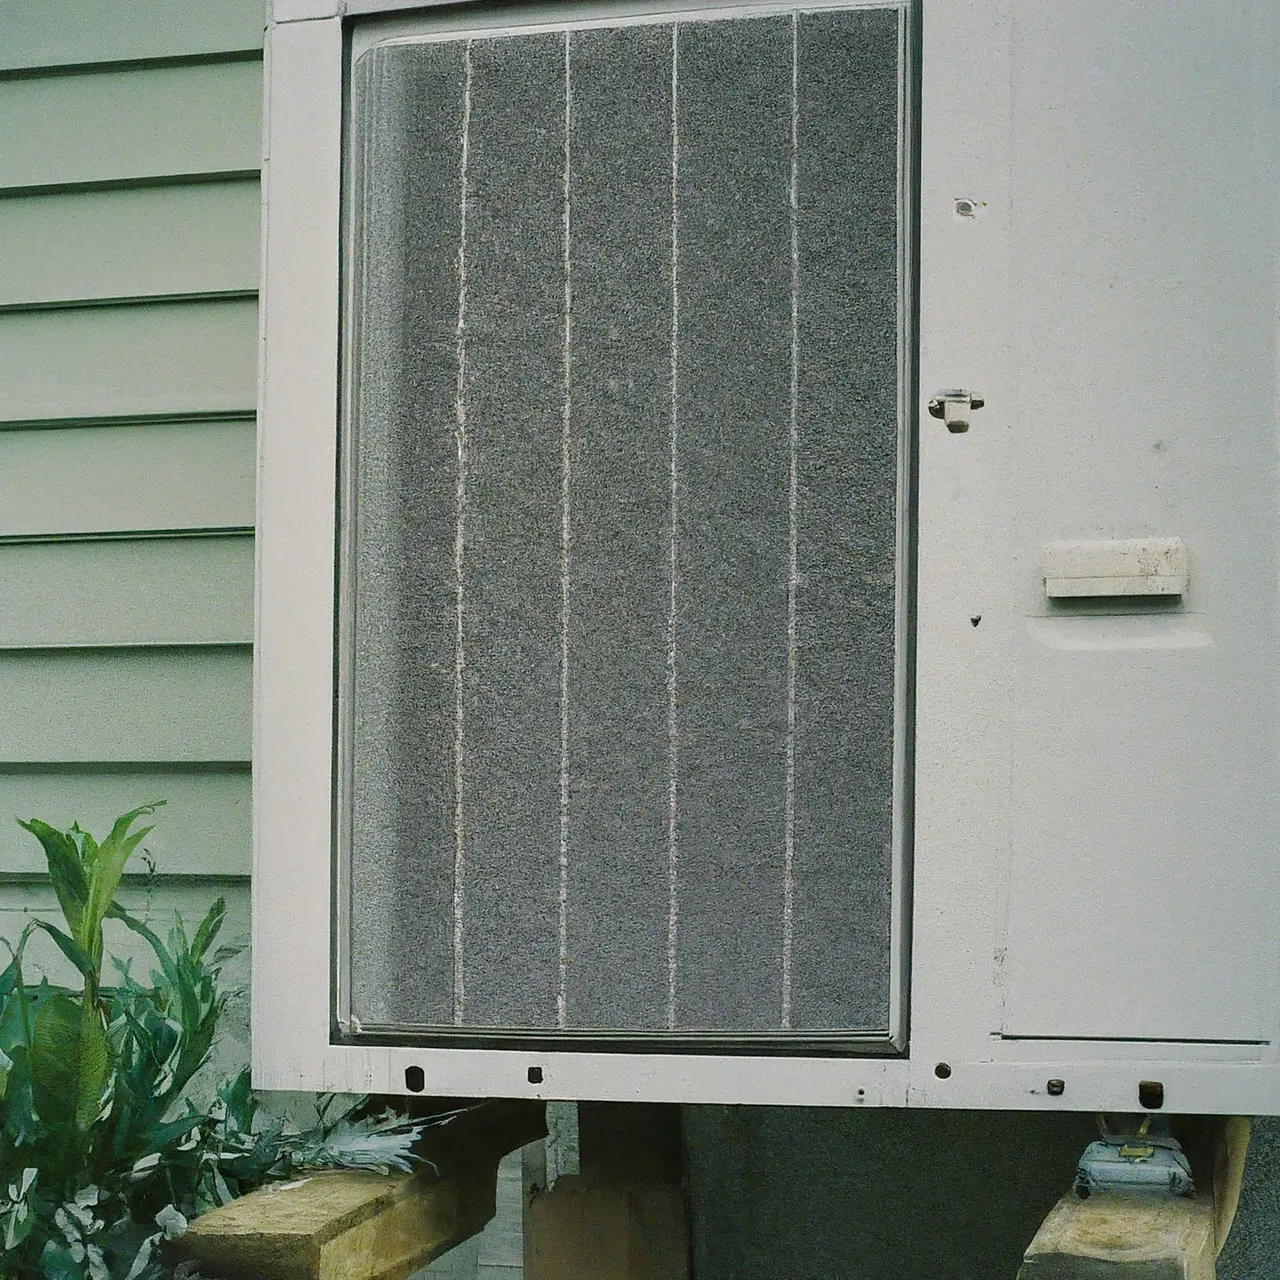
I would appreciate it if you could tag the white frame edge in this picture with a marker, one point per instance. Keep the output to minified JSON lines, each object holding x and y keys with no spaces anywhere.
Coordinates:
{"x":960,"y":835}
{"x":544,"y":16}
{"x":293,"y":651}
{"x":303,"y":10}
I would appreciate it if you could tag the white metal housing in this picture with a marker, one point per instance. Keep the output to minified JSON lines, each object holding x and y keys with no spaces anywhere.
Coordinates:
{"x":1094,"y":888}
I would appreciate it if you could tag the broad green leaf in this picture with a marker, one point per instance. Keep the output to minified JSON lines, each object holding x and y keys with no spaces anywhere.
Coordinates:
{"x":122,"y":824}
{"x":18,"y":1222}
{"x":94,"y":1067}
{"x":9,"y":978}
{"x":55,"y":1059}
{"x":108,"y":865}
{"x":171,"y":1131}
{"x":15,"y":1015}
{"x":101,"y":868}
{"x":13,"y":1031}
{"x":6,"y":1065}
{"x":224,"y":955}
{"x":70,"y":1062}
{"x":241,"y":1105}
{"x":88,"y":853}
{"x":143,"y":1256}
{"x":88,"y":846}
{"x":208,"y":930}
{"x":17,"y":1107}
{"x":65,"y":870}
{"x":178,"y":936}
{"x":56,"y":1263}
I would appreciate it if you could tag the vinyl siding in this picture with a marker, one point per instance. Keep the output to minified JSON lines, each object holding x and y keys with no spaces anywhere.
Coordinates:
{"x":57,"y":33}
{"x":194,"y":474}
{"x":149,"y":359}
{"x":183,"y":591}
{"x":129,"y":151}
{"x":157,"y":124}
{"x":160,"y":241}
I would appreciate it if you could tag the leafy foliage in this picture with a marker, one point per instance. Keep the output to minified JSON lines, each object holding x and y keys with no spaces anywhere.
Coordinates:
{"x":102,"y":1153}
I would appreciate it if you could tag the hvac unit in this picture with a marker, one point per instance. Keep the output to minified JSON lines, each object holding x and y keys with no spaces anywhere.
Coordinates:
{"x":768,"y":553}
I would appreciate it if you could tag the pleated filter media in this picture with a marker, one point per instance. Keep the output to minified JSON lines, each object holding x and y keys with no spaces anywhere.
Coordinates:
{"x":620,"y":741}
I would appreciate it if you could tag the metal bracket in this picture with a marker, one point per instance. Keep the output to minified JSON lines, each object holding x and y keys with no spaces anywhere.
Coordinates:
{"x":954,"y":408}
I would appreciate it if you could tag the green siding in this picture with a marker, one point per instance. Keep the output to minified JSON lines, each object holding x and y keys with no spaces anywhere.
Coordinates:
{"x":95,"y":706}
{"x":129,"y":148}
{"x":150,"y":359}
{"x":184,"y":591}
{"x":202,"y":830}
{"x":123,"y":478}
{"x":136,"y":242}
{"x":52,"y":33}
{"x":109,"y":126}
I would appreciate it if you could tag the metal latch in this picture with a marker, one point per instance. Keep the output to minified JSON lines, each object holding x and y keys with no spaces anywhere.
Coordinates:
{"x":954,"y":408}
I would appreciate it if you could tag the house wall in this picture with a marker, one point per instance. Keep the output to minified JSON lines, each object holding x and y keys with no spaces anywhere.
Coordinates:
{"x":129,"y":145}
{"x":130,"y":137}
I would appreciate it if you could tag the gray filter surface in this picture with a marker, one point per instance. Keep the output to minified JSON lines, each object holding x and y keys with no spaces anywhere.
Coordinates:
{"x":622,"y":581}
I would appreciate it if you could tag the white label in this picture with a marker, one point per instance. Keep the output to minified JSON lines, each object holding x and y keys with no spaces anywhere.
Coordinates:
{"x":1119,"y":567}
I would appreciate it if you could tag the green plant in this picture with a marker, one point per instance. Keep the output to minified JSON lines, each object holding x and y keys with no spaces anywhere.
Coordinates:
{"x":102,"y":1152}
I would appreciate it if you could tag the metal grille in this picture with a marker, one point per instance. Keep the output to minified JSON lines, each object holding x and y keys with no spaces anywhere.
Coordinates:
{"x":622,"y":582}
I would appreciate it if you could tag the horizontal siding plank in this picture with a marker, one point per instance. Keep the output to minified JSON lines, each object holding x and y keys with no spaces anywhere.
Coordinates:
{"x":170,"y":475}
{"x":158,"y":358}
{"x":137,"y":242}
{"x":54,"y":33}
{"x":203,"y":830}
{"x":111,"y":126}
{"x":127,"y":591}
{"x":112,"y":705}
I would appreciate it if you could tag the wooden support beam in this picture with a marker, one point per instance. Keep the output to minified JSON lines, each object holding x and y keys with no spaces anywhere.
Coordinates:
{"x":1124,"y":1237}
{"x":345,"y":1225}
{"x":341,"y":1226}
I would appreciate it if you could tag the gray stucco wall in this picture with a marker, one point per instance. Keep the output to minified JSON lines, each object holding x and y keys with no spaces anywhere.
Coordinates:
{"x":806,"y":1194}
{"x":1253,"y":1250}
